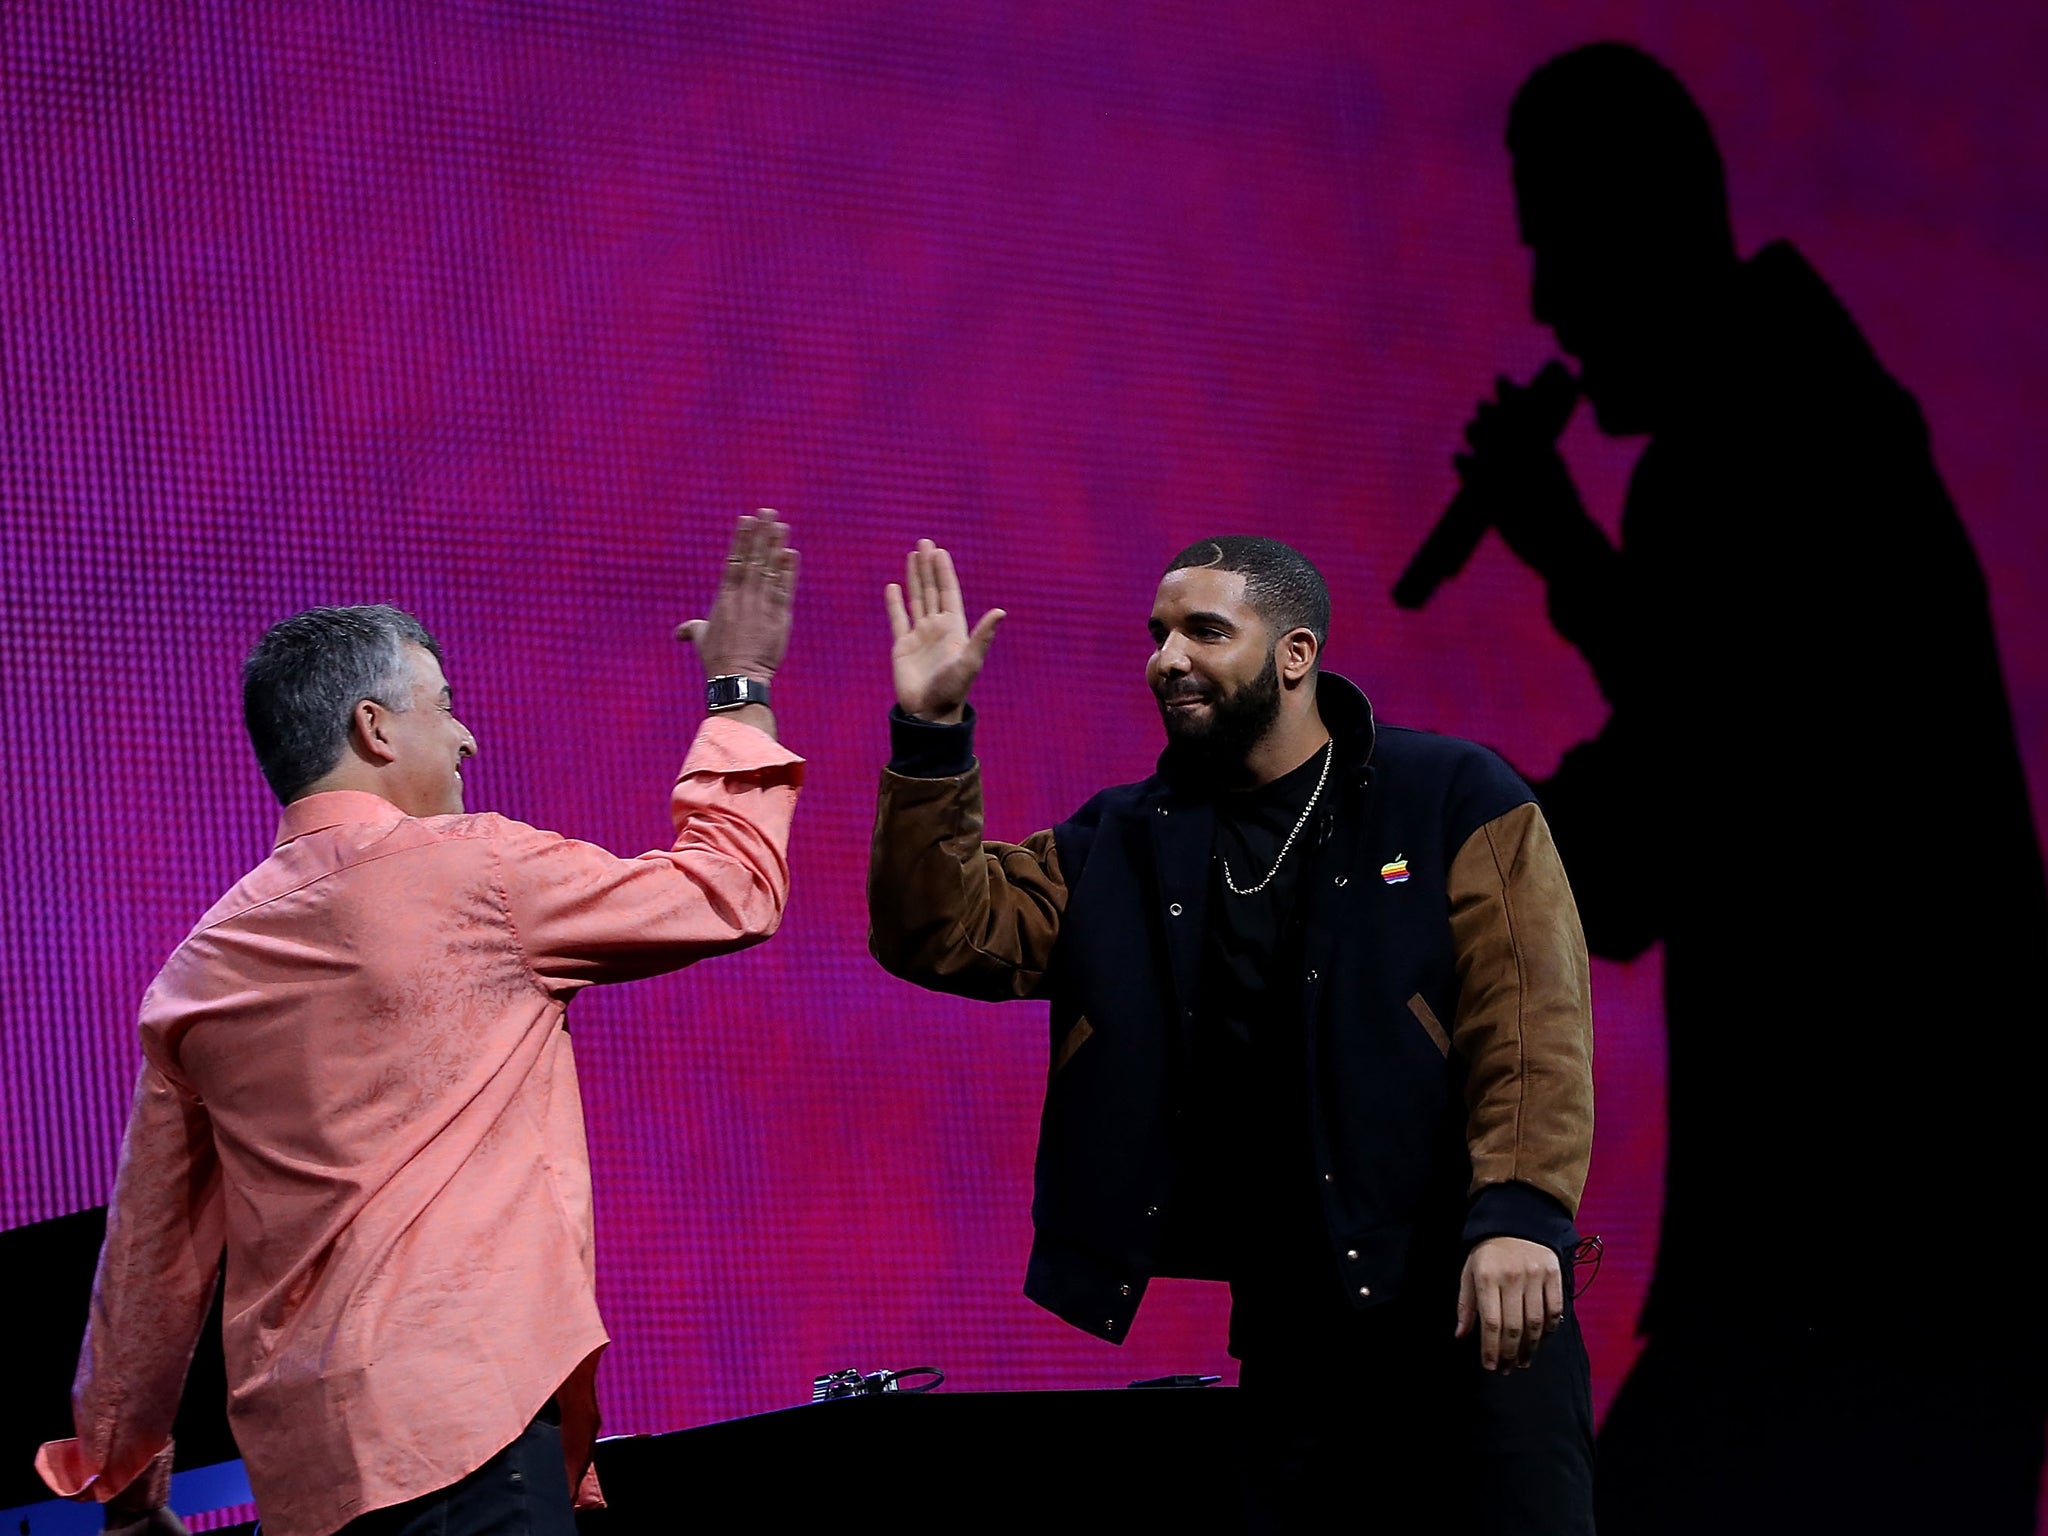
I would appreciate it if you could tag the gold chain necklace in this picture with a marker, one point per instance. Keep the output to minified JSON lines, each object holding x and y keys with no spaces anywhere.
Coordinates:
{"x":1329,"y":751}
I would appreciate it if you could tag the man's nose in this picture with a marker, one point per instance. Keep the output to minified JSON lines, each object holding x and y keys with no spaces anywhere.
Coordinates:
{"x":468,"y":747}
{"x":1173,"y":656}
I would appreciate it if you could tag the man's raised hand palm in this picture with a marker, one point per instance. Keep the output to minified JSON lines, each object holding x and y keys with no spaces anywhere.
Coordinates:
{"x":935,"y":658}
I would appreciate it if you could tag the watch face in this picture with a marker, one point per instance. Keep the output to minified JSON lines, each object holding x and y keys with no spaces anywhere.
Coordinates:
{"x":731,"y":692}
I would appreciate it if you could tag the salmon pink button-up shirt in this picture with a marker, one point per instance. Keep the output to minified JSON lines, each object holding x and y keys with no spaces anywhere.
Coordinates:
{"x":358,"y":1082}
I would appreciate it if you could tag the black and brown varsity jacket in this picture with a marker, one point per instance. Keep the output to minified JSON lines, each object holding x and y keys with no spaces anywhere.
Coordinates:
{"x":1448,"y":1017}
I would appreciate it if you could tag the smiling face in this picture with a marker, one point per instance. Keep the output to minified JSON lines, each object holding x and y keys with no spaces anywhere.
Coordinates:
{"x":427,"y":745}
{"x":1213,"y":667}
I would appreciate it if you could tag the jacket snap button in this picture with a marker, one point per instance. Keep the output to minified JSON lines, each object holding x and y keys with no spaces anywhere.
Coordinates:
{"x":1329,"y":1178}
{"x":1109,"y":1325}
{"x":1123,"y":1290}
{"x":1151,"y":1210}
{"x":1365,"y":1290}
{"x":1174,"y":909}
{"x":1351,"y":1254}
{"x":1311,"y":975}
{"x":1343,"y":879}
{"x":1162,"y":810}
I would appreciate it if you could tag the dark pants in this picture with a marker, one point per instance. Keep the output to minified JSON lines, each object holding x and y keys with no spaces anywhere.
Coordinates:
{"x":521,"y":1491}
{"x":1388,"y":1423}
{"x":1743,"y":1431}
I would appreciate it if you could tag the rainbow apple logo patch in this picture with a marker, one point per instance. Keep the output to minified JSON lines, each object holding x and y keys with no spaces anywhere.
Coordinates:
{"x":1396,"y":871}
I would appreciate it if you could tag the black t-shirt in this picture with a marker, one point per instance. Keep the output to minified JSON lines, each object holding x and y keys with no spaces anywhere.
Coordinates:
{"x":1242,"y":1097}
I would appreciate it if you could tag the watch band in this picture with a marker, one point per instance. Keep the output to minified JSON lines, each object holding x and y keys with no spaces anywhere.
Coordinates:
{"x":732,"y":690}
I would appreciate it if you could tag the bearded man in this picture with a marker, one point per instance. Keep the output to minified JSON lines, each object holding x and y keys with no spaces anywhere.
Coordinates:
{"x":1320,"y":1028}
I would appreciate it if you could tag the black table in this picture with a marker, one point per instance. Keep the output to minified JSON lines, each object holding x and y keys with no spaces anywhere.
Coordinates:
{"x":1129,"y":1462}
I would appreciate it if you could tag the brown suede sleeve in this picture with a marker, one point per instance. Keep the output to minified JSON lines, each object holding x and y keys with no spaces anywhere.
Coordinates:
{"x":949,"y":911}
{"x":1524,"y":1024}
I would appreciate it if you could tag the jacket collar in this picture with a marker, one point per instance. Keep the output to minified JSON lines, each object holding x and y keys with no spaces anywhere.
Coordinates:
{"x":1348,"y":714}
{"x":1346,"y":711}
{"x":334,"y":808}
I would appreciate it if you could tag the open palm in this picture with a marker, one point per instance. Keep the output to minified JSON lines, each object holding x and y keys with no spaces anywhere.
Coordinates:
{"x":936,"y":657}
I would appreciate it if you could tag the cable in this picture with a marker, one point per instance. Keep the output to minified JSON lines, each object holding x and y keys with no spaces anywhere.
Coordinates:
{"x":1588,"y":1251}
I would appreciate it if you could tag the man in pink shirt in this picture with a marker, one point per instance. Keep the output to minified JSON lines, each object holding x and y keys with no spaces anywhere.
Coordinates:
{"x":358,"y":1084}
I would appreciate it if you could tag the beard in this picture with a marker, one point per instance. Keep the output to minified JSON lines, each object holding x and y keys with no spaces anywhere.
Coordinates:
{"x":1212,"y":752}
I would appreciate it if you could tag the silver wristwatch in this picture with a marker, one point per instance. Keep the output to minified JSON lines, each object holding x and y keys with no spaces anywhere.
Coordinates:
{"x":732,"y":690}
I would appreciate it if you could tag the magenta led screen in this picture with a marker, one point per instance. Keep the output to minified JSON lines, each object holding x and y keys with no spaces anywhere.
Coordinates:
{"x":503,"y":312}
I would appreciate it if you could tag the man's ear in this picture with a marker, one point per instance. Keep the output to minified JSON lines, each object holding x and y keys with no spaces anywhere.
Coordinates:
{"x":1296,"y":657}
{"x":366,"y":732}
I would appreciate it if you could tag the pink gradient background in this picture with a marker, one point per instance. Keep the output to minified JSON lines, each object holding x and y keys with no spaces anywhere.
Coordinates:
{"x":502,"y":312}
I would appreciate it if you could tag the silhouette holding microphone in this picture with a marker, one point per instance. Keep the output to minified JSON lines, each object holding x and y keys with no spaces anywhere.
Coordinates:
{"x":1536,"y":412}
{"x":1808,"y":791}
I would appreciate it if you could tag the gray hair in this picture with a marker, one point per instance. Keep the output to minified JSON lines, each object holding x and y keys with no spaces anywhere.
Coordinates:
{"x":303,"y":680}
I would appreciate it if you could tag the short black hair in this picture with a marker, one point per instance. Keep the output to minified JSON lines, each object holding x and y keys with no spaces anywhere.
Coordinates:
{"x":303,"y":680}
{"x":1279,"y":583}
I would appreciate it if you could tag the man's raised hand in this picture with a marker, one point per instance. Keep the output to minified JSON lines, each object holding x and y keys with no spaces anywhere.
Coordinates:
{"x":748,"y":629}
{"x":935,"y":658}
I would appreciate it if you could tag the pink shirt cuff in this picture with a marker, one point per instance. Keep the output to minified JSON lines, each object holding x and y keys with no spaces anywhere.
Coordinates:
{"x":72,"y":1474}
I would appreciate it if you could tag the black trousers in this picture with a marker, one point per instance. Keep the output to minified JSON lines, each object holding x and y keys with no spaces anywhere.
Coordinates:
{"x":521,"y":1491}
{"x":1386,"y":1422}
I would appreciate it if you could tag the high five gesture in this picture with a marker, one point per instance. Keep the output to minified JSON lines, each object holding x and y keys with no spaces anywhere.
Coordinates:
{"x":748,"y":628}
{"x":935,"y":658}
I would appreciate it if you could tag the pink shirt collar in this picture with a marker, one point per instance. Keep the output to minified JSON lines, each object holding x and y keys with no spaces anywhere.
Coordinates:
{"x":333,"y":808}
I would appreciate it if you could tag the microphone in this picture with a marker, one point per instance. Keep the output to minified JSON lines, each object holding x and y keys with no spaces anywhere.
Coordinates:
{"x":1544,"y":406}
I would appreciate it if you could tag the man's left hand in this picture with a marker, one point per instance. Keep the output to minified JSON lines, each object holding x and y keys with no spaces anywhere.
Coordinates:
{"x":1513,"y":1290}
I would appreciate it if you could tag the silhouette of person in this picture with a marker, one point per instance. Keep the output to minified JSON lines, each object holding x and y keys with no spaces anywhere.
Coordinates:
{"x":1809,"y":791}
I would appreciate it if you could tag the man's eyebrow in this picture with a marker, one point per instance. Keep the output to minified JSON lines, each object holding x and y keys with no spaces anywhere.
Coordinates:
{"x":1216,"y":619}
